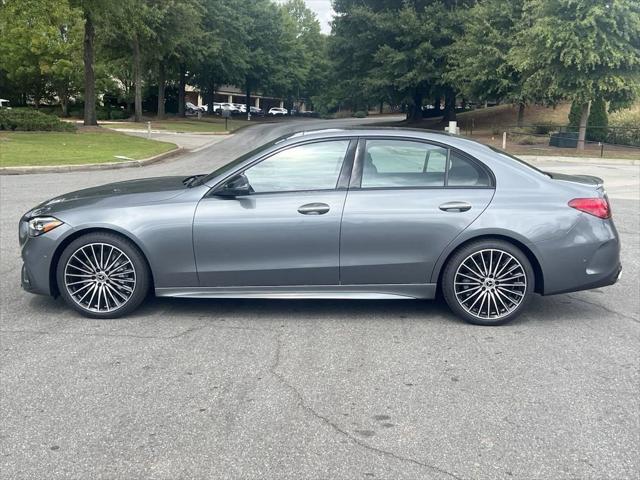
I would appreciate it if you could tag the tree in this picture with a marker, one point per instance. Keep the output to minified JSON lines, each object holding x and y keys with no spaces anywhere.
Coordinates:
{"x":38,"y":44}
{"x":172,"y":37}
{"x":92,"y":12}
{"x":311,"y":60}
{"x":396,"y":50}
{"x":220,"y":50}
{"x":479,"y":64}
{"x":579,"y":50}
{"x":596,"y":124}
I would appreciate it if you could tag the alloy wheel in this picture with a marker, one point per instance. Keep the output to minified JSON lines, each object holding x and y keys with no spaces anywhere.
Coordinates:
{"x":100,"y":277}
{"x":490,"y":284}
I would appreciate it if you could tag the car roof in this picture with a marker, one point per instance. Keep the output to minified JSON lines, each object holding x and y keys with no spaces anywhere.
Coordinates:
{"x":457,"y":141}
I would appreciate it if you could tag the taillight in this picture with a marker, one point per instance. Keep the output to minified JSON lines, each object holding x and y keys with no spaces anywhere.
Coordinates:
{"x":598,"y":207}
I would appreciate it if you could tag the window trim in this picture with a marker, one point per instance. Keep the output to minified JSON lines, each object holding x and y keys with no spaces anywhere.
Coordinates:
{"x":341,"y":182}
{"x":356,"y":175}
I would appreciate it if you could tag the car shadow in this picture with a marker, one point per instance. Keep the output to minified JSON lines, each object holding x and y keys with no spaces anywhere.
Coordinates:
{"x":539,"y":309}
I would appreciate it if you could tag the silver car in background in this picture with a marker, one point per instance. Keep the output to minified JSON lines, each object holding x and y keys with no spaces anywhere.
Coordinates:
{"x":362,"y":213}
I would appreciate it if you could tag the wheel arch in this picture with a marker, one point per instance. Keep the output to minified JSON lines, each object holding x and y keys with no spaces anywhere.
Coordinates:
{"x":53,"y":282}
{"x":531,"y":256}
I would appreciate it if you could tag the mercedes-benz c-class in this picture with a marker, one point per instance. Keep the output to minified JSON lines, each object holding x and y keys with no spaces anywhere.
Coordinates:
{"x":362,"y":213}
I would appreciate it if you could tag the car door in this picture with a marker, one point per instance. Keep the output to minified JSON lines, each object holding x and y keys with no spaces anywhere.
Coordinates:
{"x":407,"y":201}
{"x":287,"y":230}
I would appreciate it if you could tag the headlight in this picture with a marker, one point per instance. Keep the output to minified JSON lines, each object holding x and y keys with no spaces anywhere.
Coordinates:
{"x":40,"y":225}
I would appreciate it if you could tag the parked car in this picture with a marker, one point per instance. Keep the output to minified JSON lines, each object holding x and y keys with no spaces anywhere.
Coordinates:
{"x":231,"y":107}
{"x":369,"y":213}
{"x":4,"y":103}
{"x":242,"y":108}
{"x":192,"y":109}
{"x":275,"y":111}
{"x":257,"y":111}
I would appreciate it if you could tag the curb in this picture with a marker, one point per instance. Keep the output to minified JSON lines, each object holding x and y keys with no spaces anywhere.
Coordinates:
{"x":590,"y":160}
{"x":90,"y":166}
{"x":168,"y":132}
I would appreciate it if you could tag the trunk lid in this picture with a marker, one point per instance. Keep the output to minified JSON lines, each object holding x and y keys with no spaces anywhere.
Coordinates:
{"x":581,"y":179}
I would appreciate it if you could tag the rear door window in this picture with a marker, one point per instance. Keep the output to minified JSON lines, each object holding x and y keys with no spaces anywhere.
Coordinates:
{"x":403,"y":163}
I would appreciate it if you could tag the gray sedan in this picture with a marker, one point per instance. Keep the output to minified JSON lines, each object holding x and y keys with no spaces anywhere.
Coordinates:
{"x":367,"y":213}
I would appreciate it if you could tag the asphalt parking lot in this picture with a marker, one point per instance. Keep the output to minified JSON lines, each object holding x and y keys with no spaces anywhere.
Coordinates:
{"x":257,"y":389}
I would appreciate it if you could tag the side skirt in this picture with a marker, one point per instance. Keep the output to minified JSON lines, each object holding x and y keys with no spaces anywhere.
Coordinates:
{"x":363,"y":292}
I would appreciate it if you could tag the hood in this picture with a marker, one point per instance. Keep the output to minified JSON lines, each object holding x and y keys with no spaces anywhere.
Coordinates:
{"x":131,"y":192}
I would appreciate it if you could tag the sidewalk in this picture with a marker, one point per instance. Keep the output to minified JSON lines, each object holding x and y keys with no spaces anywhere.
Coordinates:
{"x":192,"y":142}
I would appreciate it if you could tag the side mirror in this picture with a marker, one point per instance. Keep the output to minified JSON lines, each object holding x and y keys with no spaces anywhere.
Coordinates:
{"x":236,"y":187}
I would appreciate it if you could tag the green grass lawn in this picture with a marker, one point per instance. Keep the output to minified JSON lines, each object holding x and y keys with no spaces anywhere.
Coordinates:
{"x":209,"y":125}
{"x":56,"y":148}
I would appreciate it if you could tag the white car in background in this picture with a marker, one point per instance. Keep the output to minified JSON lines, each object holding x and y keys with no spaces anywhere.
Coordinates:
{"x":229,"y":106}
{"x":275,"y":111}
{"x":4,"y":104}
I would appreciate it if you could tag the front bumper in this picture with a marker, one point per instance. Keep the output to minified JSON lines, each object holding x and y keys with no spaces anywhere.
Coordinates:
{"x":38,"y":255}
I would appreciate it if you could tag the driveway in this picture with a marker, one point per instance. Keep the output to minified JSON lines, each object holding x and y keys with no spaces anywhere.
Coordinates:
{"x":258,"y":389}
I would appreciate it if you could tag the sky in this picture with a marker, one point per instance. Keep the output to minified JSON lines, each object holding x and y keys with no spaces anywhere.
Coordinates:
{"x":323,"y":11}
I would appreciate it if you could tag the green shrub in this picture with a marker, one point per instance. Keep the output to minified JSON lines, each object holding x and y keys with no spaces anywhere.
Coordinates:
{"x":30,"y":120}
{"x":625,"y":127}
{"x":360,"y":114}
{"x":526,"y":139}
{"x":596,"y":123}
{"x":545,"y":129}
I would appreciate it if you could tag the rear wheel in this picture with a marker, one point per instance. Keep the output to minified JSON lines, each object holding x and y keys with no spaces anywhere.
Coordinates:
{"x":102,"y":275}
{"x":488,"y":282}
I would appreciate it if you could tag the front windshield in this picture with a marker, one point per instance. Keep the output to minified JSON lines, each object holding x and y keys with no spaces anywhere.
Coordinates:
{"x":229,"y":166}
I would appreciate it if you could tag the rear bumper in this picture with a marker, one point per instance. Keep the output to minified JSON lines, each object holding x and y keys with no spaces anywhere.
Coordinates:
{"x":589,"y":257}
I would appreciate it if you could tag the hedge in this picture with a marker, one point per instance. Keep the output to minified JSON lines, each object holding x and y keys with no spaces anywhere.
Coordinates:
{"x":30,"y":120}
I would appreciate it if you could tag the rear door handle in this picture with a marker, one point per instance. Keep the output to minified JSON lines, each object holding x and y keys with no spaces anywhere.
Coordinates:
{"x":455,"y":207}
{"x":314,"y":209}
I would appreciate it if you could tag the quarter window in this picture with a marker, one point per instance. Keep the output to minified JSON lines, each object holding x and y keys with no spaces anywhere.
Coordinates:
{"x":465,"y":173}
{"x":313,"y":166}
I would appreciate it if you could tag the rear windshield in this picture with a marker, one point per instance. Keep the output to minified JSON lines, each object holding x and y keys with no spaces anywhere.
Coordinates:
{"x":519,"y":160}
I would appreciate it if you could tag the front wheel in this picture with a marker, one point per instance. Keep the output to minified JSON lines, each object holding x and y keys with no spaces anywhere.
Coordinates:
{"x":102,"y":275}
{"x":488,"y":282}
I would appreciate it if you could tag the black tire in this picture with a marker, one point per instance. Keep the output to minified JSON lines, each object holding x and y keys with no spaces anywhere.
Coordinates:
{"x":141,"y":275}
{"x":502,"y":307}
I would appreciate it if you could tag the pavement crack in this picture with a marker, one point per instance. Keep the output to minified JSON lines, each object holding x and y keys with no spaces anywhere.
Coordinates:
{"x":273,"y":369}
{"x":125,"y":335}
{"x":606,"y":309}
{"x":185,"y":332}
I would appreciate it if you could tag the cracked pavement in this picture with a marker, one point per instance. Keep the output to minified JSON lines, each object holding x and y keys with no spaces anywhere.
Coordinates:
{"x":315,"y":389}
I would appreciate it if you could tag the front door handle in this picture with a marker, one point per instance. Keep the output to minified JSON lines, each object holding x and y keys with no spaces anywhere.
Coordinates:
{"x":455,"y":207}
{"x":314,"y":209}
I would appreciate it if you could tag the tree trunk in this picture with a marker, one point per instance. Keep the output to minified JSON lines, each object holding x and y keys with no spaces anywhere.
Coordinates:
{"x":414,"y":114}
{"x":89,"y":75}
{"x":248,"y":98}
{"x":64,"y":104}
{"x":137,"y":81}
{"x":436,"y":106}
{"x":181,"y":90}
{"x":449,"y":114}
{"x":582,"y":132}
{"x":212,"y":98}
{"x":520,"y":120}
{"x":161,"y":85}
{"x":381,"y":107}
